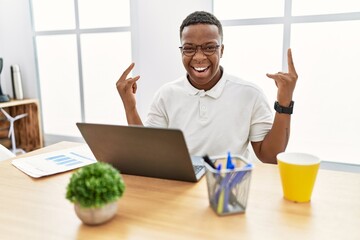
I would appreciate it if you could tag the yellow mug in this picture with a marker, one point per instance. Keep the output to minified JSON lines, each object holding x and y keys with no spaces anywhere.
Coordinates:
{"x":298,"y":174}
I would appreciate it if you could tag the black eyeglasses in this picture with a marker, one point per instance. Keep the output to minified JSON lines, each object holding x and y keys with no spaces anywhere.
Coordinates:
{"x":191,"y":49}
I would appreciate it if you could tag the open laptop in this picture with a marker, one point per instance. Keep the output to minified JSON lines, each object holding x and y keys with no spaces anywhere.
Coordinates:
{"x":143,"y":151}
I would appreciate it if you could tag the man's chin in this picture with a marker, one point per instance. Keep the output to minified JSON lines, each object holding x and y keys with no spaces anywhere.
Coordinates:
{"x":199,"y":83}
{"x":201,"y":76}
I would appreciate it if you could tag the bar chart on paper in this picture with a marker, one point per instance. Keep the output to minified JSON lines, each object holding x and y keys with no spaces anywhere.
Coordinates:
{"x":55,"y":162}
{"x":68,"y":160}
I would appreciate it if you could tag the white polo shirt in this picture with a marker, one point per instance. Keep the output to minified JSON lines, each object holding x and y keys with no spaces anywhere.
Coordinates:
{"x":224,"y":118}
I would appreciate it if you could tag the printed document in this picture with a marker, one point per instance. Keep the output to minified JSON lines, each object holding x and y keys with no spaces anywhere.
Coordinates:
{"x":55,"y":162}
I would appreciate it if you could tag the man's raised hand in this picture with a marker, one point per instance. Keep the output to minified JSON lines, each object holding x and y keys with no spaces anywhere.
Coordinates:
{"x":285,"y":82}
{"x":127,"y":88}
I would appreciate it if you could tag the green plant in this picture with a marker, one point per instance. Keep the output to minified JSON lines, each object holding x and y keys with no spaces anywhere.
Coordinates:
{"x":95,"y":185}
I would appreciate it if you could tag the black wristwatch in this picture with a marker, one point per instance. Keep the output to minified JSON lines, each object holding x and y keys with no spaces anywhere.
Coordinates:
{"x":281,"y":109}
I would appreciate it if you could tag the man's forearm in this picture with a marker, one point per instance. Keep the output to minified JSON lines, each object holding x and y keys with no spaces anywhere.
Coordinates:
{"x":276,"y":140}
{"x":133,"y":117}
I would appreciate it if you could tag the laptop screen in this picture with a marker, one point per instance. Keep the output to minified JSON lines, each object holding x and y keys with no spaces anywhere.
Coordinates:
{"x":142,"y":151}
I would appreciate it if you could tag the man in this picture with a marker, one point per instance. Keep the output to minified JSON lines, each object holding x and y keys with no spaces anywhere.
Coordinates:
{"x":217,"y":112}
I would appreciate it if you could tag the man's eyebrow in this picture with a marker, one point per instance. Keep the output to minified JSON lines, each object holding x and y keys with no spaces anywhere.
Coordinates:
{"x":207,"y":43}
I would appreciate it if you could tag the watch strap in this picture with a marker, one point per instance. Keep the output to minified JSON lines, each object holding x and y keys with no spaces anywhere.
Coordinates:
{"x":281,"y":109}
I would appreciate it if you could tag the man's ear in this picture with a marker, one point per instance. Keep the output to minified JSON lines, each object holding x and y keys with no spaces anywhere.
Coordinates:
{"x":222,"y":50}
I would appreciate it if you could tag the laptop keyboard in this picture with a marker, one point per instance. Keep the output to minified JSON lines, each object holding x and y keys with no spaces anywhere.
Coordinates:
{"x":197,"y":168}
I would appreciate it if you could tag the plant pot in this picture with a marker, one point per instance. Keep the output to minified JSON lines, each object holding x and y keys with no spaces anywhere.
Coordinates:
{"x":95,"y":216}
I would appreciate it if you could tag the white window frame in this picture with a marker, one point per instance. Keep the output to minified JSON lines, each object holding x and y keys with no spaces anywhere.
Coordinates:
{"x":287,"y":20}
{"x":53,"y":138}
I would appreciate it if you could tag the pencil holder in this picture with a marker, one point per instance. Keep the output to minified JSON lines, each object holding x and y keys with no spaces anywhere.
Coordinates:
{"x":228,"y":189}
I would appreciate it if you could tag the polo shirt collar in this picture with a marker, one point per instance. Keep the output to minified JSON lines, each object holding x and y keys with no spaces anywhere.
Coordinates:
{"x":214,"y":92}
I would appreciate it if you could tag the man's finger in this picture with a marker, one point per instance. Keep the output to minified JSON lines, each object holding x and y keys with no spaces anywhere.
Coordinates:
{"x":134,"y":79}
{"x":273,"y":76}
{"x":291,"y":66}
{"x":127,"y":81}
{"x":134,"y":87}
{"x":127,"y":71}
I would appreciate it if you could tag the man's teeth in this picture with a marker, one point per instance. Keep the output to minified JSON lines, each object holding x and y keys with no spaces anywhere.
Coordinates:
{"x":200,"y":69}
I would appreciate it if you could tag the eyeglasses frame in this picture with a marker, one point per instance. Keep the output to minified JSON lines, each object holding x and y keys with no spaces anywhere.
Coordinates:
{"x":196,"y":49}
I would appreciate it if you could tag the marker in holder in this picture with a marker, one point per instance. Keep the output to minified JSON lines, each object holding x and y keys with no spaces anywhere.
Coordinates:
{"x":228,"y":189}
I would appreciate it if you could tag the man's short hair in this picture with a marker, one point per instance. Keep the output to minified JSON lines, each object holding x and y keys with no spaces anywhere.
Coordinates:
{"x":201,"y":17}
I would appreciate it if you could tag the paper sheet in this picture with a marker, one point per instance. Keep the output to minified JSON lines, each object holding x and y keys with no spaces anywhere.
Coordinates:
{"x":55,"y":162}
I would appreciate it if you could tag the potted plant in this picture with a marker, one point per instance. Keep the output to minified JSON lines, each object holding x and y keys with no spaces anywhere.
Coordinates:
{"x":94,"y":190}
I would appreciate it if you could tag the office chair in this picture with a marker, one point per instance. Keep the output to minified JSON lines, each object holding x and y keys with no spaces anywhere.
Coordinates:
{"x":12,"y":131}
{"x":5,"y":153}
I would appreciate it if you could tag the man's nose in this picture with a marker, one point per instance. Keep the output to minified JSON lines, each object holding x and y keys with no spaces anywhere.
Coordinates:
{"x":199,"y":53}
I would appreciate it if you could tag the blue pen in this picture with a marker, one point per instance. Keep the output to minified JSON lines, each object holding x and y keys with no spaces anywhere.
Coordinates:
{"x":229,"y":164}
{"x":239,"y":177}
{"x":231,"y":182}
{"x":219,"y":167}
{"x":226,"y":191}
{"x":223,"y":193}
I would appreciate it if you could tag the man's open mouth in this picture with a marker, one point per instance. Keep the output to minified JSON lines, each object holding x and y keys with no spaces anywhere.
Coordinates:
{"x":200,"y":69}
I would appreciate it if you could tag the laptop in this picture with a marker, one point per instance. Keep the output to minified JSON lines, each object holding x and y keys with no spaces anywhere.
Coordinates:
{"x":143,"y":151}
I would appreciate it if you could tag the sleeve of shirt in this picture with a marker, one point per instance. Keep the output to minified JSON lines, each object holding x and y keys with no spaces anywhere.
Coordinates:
{"x":262,"y":119}
{"x":157,"y":114}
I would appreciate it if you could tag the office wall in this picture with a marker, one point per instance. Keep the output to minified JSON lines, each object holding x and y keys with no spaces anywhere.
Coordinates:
{"x":156,"y":41}
{"x":16,"y":45}
{"x":155,"y":34}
